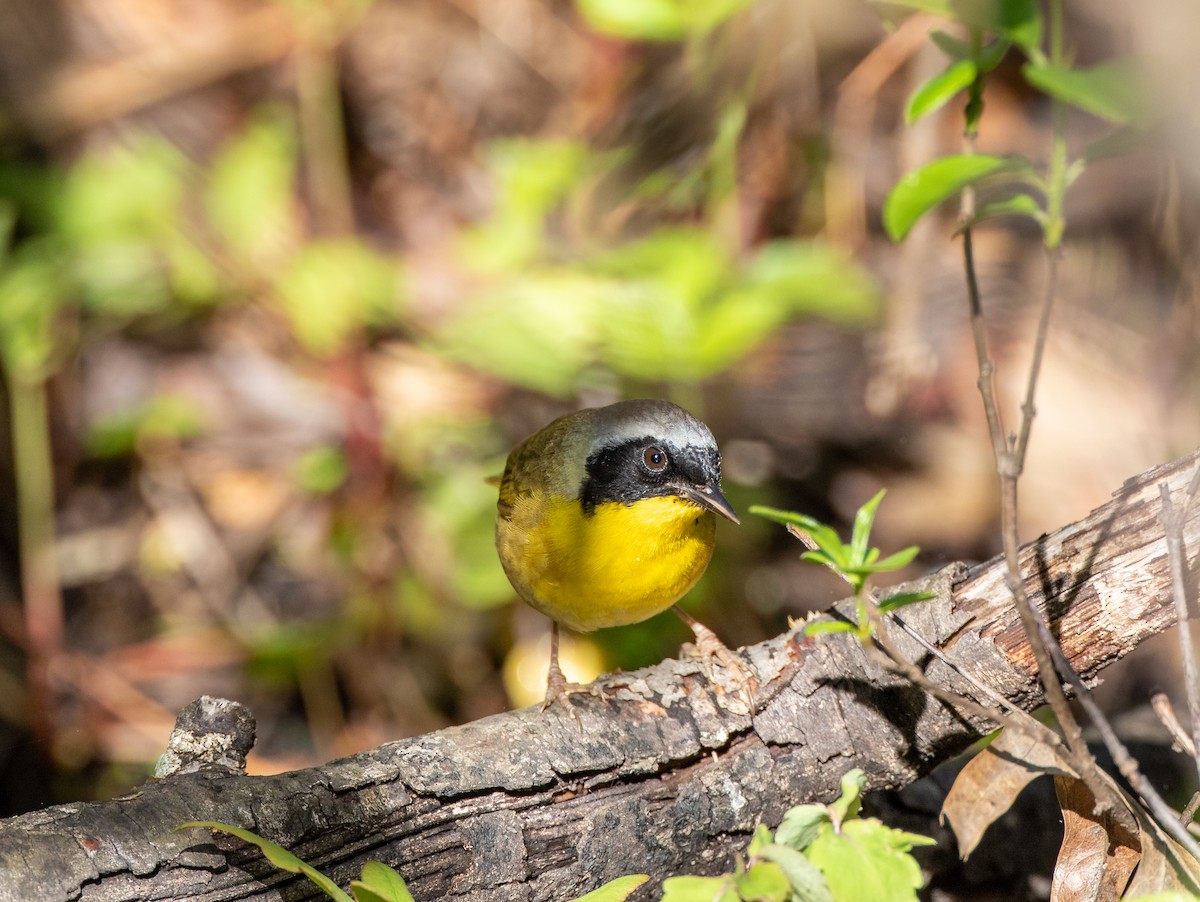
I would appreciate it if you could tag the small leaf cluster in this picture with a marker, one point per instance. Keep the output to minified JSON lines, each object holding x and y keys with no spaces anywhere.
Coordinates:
{"x":855,"y":562}
{"x":380,"y":883}
{"x":1109,"y":91}
{"x":820,"y":853}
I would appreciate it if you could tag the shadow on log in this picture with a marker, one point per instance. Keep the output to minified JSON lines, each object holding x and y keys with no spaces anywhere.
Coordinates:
{"x":667,"y":774}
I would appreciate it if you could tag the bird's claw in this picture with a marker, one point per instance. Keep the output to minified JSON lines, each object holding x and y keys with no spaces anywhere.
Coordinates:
{"x":710,"y":648}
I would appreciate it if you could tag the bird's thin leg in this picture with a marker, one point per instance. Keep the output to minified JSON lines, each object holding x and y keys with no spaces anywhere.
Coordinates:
{"x":558,"y":688}
{"x":709,"y":647}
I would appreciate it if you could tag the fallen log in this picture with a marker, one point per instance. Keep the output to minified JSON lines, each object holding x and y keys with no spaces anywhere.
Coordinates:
{"x":667,"y":773}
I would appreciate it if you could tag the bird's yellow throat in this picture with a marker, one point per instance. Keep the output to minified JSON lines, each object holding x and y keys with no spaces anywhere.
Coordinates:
{"x":621,"y":563}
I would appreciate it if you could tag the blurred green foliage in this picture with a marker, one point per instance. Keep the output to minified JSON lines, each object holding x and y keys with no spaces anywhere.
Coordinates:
{"x":558,"y":297}
{"x":676,"y":305}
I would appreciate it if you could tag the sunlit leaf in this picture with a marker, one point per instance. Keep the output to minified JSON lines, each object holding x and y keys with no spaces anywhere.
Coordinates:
{"x":940,"y":90}
{"x":657,"y":20}
{"x":820,"y":627}
{"x":849,"y":802}
{"x":807,"y":882}
{"x":615,"y":890}
{"x":380,"y":883}
{"x":799,"y":825}
{"x":539,"y":331}
{"x":277,"y":855}
{"x":1110,"y":90}
{"x":867,"y":860}
{"x":901,"y":558}
{"x":34,"y":286}
{"x":334,"y":289}
{"x":937,"y":7}
{"x":903,"y":599}
{"x":921,"y":190}
{"x":816,"y":278}
{"x":860,"y":533}
{"x":699,"y":889}
{"x":250,"y":193}
{"x":764,"y":881}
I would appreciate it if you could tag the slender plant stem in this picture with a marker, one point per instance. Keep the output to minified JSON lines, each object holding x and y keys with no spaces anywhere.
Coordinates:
{"x":34,"y":473}
{"x":1028,"y":409}
{"x":319,"y":107}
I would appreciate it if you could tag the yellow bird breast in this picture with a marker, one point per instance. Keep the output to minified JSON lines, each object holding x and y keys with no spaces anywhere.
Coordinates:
{"x":621,"y":564}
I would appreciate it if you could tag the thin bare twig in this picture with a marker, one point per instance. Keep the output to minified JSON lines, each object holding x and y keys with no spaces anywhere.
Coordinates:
{"x":1028,"y":410}
{"x":1173,"y":523}
{"x":1011,"y":718}
{"x":1166,"y":816}
{"x":1165,"y":712}
{"x":1009,"y":468}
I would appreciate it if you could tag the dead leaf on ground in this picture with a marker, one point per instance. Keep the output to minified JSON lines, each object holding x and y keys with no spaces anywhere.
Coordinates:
{"x":1097,"y":855}
{"x":991,"y":782}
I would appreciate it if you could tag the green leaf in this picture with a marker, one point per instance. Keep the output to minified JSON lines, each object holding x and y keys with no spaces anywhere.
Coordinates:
{"x":807,"y":882}
{"x":277,"y":855}
{"x":939,"y":90}
{"x":1018,"y":20}
{"x":921,"y":190}
{"x":954,"y":47}
{"x":699,"y":889}
{"x":657,"y":20}
{"x":937,"y":7}
{"x":1017,"y":205}
{"x":764,"y":881}
{"x":334,"y":288}
{"x":903,"y":599}
{"x":34,"y":288}
{"x":813,"y":277}
{"x":761,"y":839}
{"x":250,"y":193}
{"x":615,"y":890}
{"x":864,"y":860}
{"x":380,"y":883}
{"x":1110,"y":90}
{"x":799,"y":826}
{"x":832,"y":550}
{"x":901,"y":558}
{"x":847,"y":805}
{"x":637,"y":20}
{"x":321,"y":470}
{"x":991,"y":54}
{"x":819,"y":627}
{"x":164,"y":416}
{"x":860,"y":534}
{"x":804,"y":521}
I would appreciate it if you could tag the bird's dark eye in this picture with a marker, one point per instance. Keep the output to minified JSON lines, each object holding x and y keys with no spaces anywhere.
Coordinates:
{"x":655,"y":459}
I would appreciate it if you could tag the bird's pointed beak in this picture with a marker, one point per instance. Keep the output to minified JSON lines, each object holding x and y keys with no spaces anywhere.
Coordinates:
{"x":709,"y":495}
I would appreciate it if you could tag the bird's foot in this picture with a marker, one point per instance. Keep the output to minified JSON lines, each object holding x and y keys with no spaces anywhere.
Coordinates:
{"x":710,"y":649}
{"x":560,"y":689}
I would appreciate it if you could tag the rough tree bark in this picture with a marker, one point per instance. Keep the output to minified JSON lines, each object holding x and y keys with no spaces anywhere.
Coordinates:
{"x":668,"y":774}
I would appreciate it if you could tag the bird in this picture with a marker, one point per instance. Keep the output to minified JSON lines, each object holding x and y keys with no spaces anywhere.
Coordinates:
{"x":607,"y":516}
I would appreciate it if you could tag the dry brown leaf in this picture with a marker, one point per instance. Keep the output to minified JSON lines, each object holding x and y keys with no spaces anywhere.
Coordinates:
{"x":991,"y":782}
{"x":1165,"y":865}
{"x":1097,"y":855}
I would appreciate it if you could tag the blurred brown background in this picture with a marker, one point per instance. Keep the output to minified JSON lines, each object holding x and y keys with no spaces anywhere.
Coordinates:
{"x":284,"y":281}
